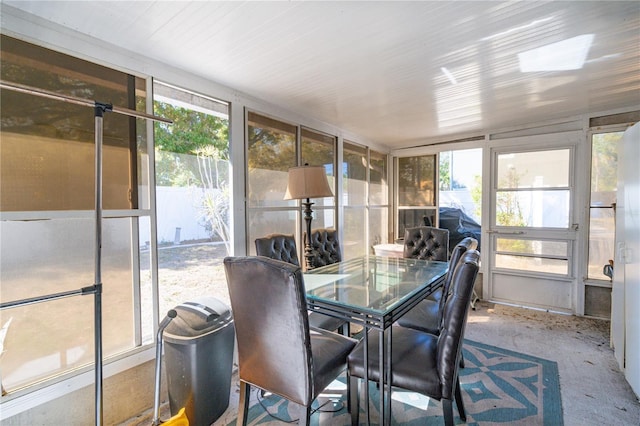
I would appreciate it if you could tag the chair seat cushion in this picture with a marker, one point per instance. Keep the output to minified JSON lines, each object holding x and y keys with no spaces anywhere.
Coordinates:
{"x":425,"y":316}
{"x":329,"y":352}
{"x":327,"y":322}
{"x":413,"y":360}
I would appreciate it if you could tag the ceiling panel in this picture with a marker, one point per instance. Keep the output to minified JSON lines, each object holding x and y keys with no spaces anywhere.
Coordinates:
{"x":394,"y":72}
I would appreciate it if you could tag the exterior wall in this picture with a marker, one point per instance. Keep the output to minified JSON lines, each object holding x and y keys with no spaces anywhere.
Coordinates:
{"x":126,"y":395}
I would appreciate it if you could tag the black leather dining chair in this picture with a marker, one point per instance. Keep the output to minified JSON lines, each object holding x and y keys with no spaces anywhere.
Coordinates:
{"x":427,"y":315}
{"x":283,"y":247}
{"x":423,"y":362}
{"x":279,"y":247}
{"x":326,"y":247}
{"x":277,"y":350}
{"x":427,"y":243}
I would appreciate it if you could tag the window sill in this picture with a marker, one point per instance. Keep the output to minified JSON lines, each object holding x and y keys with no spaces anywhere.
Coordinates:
{"x":29,"y":398}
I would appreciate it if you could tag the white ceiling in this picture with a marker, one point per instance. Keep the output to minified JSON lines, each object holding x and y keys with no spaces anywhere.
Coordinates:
{"x":376,"y":68}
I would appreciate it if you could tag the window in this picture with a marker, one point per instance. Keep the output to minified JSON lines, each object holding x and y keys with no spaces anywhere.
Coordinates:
{"x":604,"y":182}
{"x":192,"y":196}
{"x":354,"y":183}
{"x":47,"y":231}
{"x":365,"y":195}
{"x":416,"y":191}
{"x":533,"y":189}
{"x":378,"y":199}
{"x":271,"y":151}
{"x":319,"y":149}
{"x":460,"y":177}
{"x":545,"y":256}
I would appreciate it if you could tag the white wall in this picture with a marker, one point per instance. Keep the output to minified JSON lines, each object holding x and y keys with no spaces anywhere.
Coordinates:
{"x":625,"y":320}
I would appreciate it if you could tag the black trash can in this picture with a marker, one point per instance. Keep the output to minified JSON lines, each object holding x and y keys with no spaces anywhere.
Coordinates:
{"x":199,"y":358}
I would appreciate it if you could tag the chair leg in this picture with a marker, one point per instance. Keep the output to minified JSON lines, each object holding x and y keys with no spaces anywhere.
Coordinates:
{"x":474,"y":299}
{"x":344,"y":329}
{"x":305,"y":415}
{"x":353,"y":404}
{"x":447,"y":411}
{"x":461,"y":360}
{"x":459,"y":403}
{"x":243,"y":408}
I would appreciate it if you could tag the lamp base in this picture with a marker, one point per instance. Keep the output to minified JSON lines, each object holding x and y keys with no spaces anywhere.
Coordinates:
{"x":308,"y":249}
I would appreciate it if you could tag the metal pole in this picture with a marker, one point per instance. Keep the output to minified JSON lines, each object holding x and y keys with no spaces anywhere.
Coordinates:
{"x":54,"y":296}
{"x":156,"y":394}
{"x":96,"y":289}
{"x":99,"y":112}
{"x":79,"y":101}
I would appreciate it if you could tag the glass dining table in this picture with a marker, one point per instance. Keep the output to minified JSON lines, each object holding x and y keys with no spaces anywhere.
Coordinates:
{"x":373,"y":291}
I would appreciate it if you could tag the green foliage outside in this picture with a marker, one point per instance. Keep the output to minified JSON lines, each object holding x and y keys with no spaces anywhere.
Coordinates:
{"x":445,"y":171}
{"x":509,"y":212}
{"x":271,"y":150}
{"x":194,"y":152}
{"x":604,"y":167}
{"x":476,"y":195}
{"x":192,"y":133}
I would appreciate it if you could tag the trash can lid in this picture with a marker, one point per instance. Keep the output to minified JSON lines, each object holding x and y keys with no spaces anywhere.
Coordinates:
{"x":198,"y":317}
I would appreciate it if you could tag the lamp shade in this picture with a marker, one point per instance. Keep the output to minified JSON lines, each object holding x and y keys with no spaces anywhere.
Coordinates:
{"x":307,"y":182}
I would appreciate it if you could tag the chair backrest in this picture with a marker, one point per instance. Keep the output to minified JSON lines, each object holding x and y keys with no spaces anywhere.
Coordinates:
{"x":426,"y":242}
{"x":456,"y":309}
{"x":326,"y":247}
{"x":461,"y":248}
{"x":272,"y":329}
{"x":279,"y":247}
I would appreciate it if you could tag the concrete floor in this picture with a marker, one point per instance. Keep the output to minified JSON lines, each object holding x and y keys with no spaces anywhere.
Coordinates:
{"x":594,"y":391}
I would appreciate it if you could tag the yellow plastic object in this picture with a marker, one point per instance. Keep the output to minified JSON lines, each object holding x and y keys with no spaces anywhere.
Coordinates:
{"x":179,"y":419}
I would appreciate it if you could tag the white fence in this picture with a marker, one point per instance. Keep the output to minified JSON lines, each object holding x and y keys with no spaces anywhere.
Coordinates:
{"x":179,"y":216}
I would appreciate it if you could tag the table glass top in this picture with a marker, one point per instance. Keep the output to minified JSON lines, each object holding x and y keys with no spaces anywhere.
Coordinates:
{"x":371,"y":283}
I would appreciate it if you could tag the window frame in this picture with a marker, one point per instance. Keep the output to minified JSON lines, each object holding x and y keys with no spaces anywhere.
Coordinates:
{"x":612,"y":128}
{"x":138,"y":208}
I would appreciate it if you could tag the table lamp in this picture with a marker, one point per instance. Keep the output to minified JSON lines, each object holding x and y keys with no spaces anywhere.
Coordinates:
{"x":307,"y":182}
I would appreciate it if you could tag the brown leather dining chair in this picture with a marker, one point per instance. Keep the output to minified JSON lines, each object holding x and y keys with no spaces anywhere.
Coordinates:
{"x":283,"y":247}
{"x":423,"y":362}
{"x":277,"y":350}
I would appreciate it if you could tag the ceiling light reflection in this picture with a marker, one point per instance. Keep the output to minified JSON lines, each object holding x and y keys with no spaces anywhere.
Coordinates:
{"x":603,"y":58}
{"x":520,"y":28}
{"x":565,"y":55}
{"x":459,"y":105}
{"x":450,"y":76}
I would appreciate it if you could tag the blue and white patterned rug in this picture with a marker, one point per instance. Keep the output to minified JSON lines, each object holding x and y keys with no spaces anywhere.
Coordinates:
{"x":498,"y":386}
